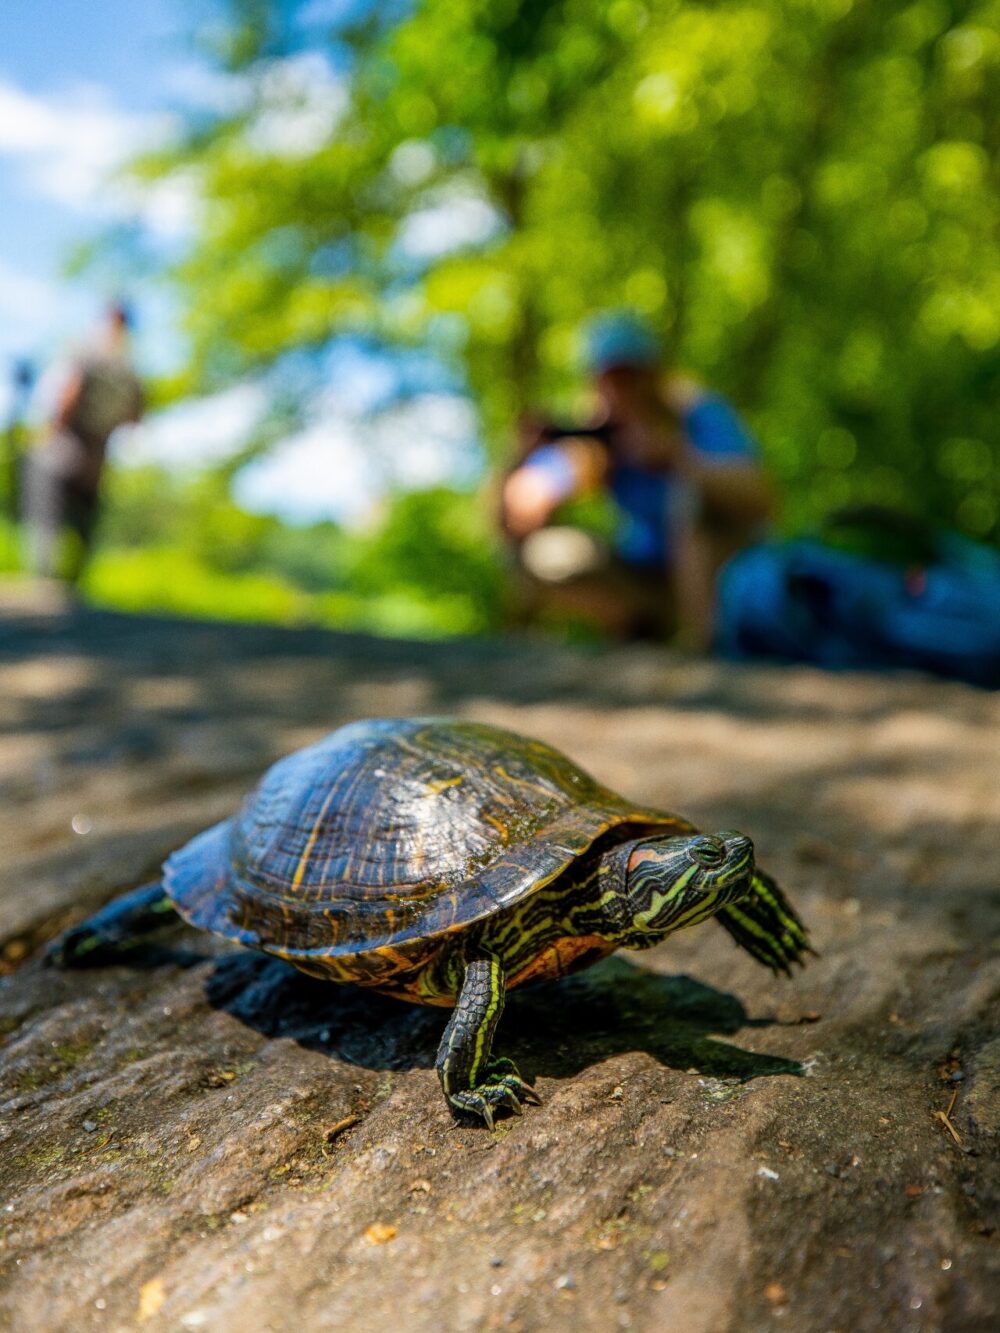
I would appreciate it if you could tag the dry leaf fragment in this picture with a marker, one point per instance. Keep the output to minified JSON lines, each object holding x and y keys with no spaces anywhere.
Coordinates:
{"x":151,"y":1296}
{"x":379,"y":1232}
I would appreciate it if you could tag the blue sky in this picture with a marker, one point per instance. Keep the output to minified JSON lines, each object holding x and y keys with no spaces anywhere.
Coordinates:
{"x":80,"y":83}
{"x":84,"y":84}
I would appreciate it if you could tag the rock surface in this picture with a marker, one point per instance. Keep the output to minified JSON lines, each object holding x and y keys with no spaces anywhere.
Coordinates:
{"x":205,"y":1139}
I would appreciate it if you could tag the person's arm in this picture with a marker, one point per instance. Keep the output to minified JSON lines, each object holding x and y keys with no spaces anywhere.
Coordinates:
{"x":738,"y":491}
{"x":721,"y":465}
{"x":69,"y":398}
{"x":548,"y":477}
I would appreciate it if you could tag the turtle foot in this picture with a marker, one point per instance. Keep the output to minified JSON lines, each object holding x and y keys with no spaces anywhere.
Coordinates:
{"x":502,"y":1089}
{"x":80,"y":946}
{"x":116,"y":929}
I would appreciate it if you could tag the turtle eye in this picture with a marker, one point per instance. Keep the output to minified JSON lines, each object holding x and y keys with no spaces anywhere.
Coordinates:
{"x":708,"y":852}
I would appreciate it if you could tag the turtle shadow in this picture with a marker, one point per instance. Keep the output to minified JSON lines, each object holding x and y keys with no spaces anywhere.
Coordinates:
{"x":557,"y":1028}
{"x":565,"y":1026}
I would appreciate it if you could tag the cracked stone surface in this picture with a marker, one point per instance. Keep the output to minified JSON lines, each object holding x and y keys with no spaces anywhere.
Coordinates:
{"x":205,"y":1139}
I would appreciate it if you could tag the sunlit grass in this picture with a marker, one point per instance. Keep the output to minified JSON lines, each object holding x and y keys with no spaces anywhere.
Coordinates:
{"x":171,"y":581}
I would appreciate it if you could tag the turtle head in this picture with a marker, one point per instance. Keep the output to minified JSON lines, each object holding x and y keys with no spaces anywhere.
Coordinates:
{"x":675,"y":882}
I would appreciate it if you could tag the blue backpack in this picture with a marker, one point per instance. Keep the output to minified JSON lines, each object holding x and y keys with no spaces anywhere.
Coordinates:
{"x":931,"y":604}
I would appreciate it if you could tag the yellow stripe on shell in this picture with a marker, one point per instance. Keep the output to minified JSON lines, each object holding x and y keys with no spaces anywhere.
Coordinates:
{"x":303,"y":864}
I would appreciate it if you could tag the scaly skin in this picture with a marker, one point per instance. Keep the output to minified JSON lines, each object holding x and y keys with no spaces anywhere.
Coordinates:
{"x":471,"y":1080}
{"x":630,"y":894}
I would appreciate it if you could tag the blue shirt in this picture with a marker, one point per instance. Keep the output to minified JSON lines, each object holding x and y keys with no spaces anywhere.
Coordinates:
{"x":645,"y":497}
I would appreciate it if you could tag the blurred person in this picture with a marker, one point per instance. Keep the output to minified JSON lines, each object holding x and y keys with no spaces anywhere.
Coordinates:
{"x":100,"y":392}
{"x":686,"y":479}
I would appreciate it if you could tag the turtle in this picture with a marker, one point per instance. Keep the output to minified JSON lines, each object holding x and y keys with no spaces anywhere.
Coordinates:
{"x":444,"y":862}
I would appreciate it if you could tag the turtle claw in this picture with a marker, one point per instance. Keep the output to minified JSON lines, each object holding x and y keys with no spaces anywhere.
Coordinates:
{"x":479,"y":1103}
{"x":502,"y":1071}
{"x":519,"y":1091}
{"x":504,"y":1090}
{"x":74,"y":948}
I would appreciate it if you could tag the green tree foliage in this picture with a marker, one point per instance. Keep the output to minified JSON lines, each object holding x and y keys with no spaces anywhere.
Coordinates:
{"x":421,"y":567}
{"x":802,"y":195}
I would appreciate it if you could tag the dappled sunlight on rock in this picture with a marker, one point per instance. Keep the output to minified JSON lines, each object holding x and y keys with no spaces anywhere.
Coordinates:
{"x":213,"y":1123}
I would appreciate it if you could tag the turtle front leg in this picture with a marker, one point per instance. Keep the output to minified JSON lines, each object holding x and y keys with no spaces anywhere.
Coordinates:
{"x":125,"y":924}
{"x":766,"y":924}
{"x":471,"y":1080}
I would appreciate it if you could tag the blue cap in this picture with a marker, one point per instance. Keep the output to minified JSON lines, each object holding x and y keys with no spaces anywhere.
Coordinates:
{"x":620,"y":338}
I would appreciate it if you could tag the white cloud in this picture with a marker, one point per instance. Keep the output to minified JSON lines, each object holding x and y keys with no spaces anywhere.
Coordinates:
{"x":299,"y":101}
{"x":195,"y":433}
{"x":429,"y":440}
{"x":169,"y":207}
{"x":71,"y":142}
{"x":200,"y":87}
{"x":317,"y":474}
{"x":339,"y":466}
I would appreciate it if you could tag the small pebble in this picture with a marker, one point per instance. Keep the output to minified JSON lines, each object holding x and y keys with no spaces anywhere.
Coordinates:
{"x":90,"y":1126}
{"x":496,"y":1262}
{"x":567,"y":1282}
{"x":832,"y":1169}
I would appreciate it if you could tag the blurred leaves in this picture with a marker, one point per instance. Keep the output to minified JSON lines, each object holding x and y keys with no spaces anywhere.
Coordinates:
{"x":802,"y":195}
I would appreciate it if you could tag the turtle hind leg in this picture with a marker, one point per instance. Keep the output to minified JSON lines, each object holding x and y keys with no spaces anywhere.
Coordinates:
{"x":125,"y":924}
{"x":471,"y":1080}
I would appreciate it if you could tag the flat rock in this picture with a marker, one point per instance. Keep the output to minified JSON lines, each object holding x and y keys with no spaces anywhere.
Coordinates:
{"x":205,"y":1139}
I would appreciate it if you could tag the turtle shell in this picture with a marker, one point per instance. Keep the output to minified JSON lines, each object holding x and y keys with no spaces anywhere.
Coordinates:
{"x":388,"y":835}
